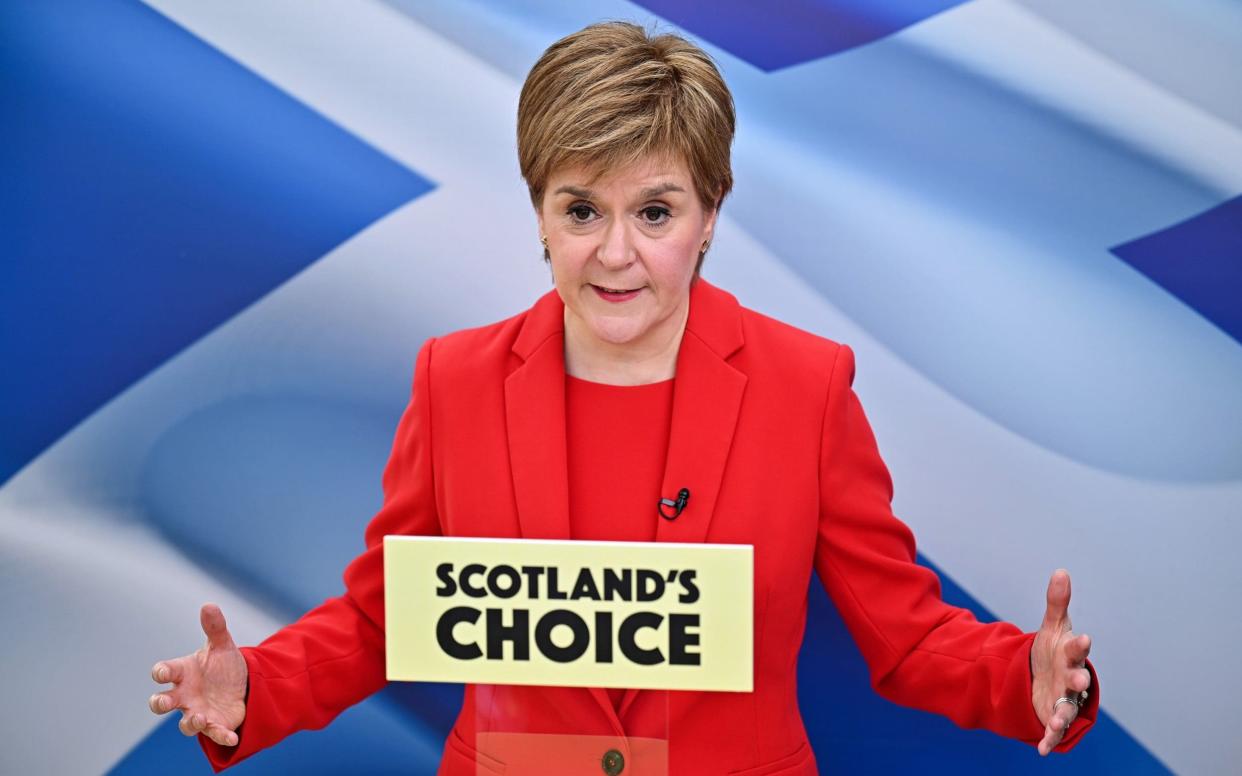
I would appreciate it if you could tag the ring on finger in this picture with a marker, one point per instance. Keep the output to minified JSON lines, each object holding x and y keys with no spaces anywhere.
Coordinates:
{"x":1065,"y":699}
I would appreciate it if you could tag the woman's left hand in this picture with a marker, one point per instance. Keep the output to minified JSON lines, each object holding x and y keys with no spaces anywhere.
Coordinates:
{"x":1058,"y":664}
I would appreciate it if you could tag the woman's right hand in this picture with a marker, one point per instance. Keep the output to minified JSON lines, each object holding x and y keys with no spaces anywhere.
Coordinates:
{"x":209,"y":686}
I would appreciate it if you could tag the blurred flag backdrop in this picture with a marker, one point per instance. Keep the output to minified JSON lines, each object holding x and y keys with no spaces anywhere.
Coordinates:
{"x":228,"y":226}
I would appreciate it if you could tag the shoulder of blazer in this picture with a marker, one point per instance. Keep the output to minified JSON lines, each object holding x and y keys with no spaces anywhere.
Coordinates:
{"x":729,"y":329}
{"x":488,"y":352}
{"x":784,"y":352}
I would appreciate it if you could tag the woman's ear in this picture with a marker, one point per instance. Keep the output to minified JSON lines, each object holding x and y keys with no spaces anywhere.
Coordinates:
{"x":709,"y":227}
{"x":543,"y":235}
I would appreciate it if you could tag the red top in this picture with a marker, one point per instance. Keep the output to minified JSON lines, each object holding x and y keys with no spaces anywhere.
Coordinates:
{"x":616,"y":442}
{"x":760,"y":401}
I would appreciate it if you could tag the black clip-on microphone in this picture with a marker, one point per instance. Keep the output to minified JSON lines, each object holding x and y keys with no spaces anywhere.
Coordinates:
{"x":683,"y":496}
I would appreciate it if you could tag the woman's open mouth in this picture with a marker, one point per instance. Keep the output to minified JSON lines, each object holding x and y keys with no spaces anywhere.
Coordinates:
{"x":615,"y":294}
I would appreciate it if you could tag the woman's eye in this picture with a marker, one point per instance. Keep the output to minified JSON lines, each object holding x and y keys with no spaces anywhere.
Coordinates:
{"x":581,"y":213}
{"x":655,"y":216}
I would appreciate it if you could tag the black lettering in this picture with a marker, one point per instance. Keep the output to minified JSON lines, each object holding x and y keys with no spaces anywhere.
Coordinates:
{"x":444,"y":572}
{"x":517,"y":634}
{"x":543,"y":636}
{"x":469,"y":588}
{"x":493,"y":578}
{"x":603,"y":637}
{"x":444,"y":633}
{"x":554,"y":585}
{"x":629,"y":630}
{"x":690,"y":591}
{"x":650,"y":585}
{"x":680,"y":639}
{"x":532,"y":580}
{"x":585,"y":586}
{"x":618,"y":585}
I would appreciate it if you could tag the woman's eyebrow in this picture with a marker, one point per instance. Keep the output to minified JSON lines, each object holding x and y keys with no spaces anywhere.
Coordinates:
{"x":647,"y":193}
{"x":575,"y":191}
{"x":656,"y":191}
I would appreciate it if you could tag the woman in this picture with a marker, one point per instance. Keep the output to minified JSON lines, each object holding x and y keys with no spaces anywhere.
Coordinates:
{"x":633,"y":379}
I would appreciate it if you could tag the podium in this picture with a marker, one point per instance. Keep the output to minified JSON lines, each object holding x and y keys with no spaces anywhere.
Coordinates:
{"x":578,"y":657}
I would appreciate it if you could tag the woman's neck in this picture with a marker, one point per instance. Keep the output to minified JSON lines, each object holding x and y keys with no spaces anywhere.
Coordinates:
{"x":650,"y":360}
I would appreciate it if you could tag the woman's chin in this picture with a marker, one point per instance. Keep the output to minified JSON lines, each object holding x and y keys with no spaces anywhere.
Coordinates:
{"x":617,"y":331}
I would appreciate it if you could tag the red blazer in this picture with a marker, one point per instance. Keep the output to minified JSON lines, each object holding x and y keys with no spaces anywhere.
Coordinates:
{"x":772,"y":442}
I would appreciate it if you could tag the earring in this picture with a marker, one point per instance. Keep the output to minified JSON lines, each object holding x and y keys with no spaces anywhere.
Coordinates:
{"x":706,"y":244}
{"x":543,"y":238}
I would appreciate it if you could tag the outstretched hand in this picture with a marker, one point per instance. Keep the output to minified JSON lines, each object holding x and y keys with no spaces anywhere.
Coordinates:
{"x":1058,"y":665}
{"x":209,"y":686}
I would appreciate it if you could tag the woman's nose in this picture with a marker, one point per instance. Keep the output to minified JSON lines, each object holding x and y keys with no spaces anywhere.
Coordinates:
{"x":616,"y":248}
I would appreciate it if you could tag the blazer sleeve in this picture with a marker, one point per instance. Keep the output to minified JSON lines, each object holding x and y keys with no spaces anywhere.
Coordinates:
{"x":308,"y":672}
{"x":920,"y":651}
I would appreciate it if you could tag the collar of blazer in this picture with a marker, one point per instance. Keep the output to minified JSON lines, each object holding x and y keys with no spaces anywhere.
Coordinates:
{"x":706,"y":400}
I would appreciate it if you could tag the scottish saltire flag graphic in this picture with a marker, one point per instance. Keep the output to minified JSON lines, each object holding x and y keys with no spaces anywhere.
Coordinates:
{"x":228,"y":226}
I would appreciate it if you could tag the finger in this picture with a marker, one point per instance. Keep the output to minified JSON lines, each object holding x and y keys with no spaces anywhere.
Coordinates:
{"x":167,"y":671}
{"x":1057,"y":727}
{"x":1065,"y":726}
{"x":1077,"y":649}
{"x":1079,"y":680}
{"x":212,"y":620}
{"x":1049,"y":741}
{"x":162,"y":702}
{"x":1063,"y":718}
{"x":1066,"y":715}
{"x":191,"y":724}
{"x":1074,"y":678}
{"x":1058,"y":598}
{"x":221,"y":735}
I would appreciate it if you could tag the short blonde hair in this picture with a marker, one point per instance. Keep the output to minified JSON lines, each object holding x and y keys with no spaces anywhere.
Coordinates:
{"x":611,"y":93}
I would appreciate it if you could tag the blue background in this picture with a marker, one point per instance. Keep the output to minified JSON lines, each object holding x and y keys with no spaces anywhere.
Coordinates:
{"x":198,"y":365}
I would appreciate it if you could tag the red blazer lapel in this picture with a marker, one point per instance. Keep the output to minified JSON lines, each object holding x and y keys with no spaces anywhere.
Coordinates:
{"x":535,"y":416}
{"x":707,"y":397}
{"x":706,"y":402}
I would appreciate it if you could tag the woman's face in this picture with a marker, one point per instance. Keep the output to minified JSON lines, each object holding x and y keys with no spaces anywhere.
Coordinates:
{"x":623,"y":250}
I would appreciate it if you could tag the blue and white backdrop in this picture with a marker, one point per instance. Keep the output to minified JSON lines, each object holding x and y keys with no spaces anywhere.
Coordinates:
{"x":227,"y":227}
